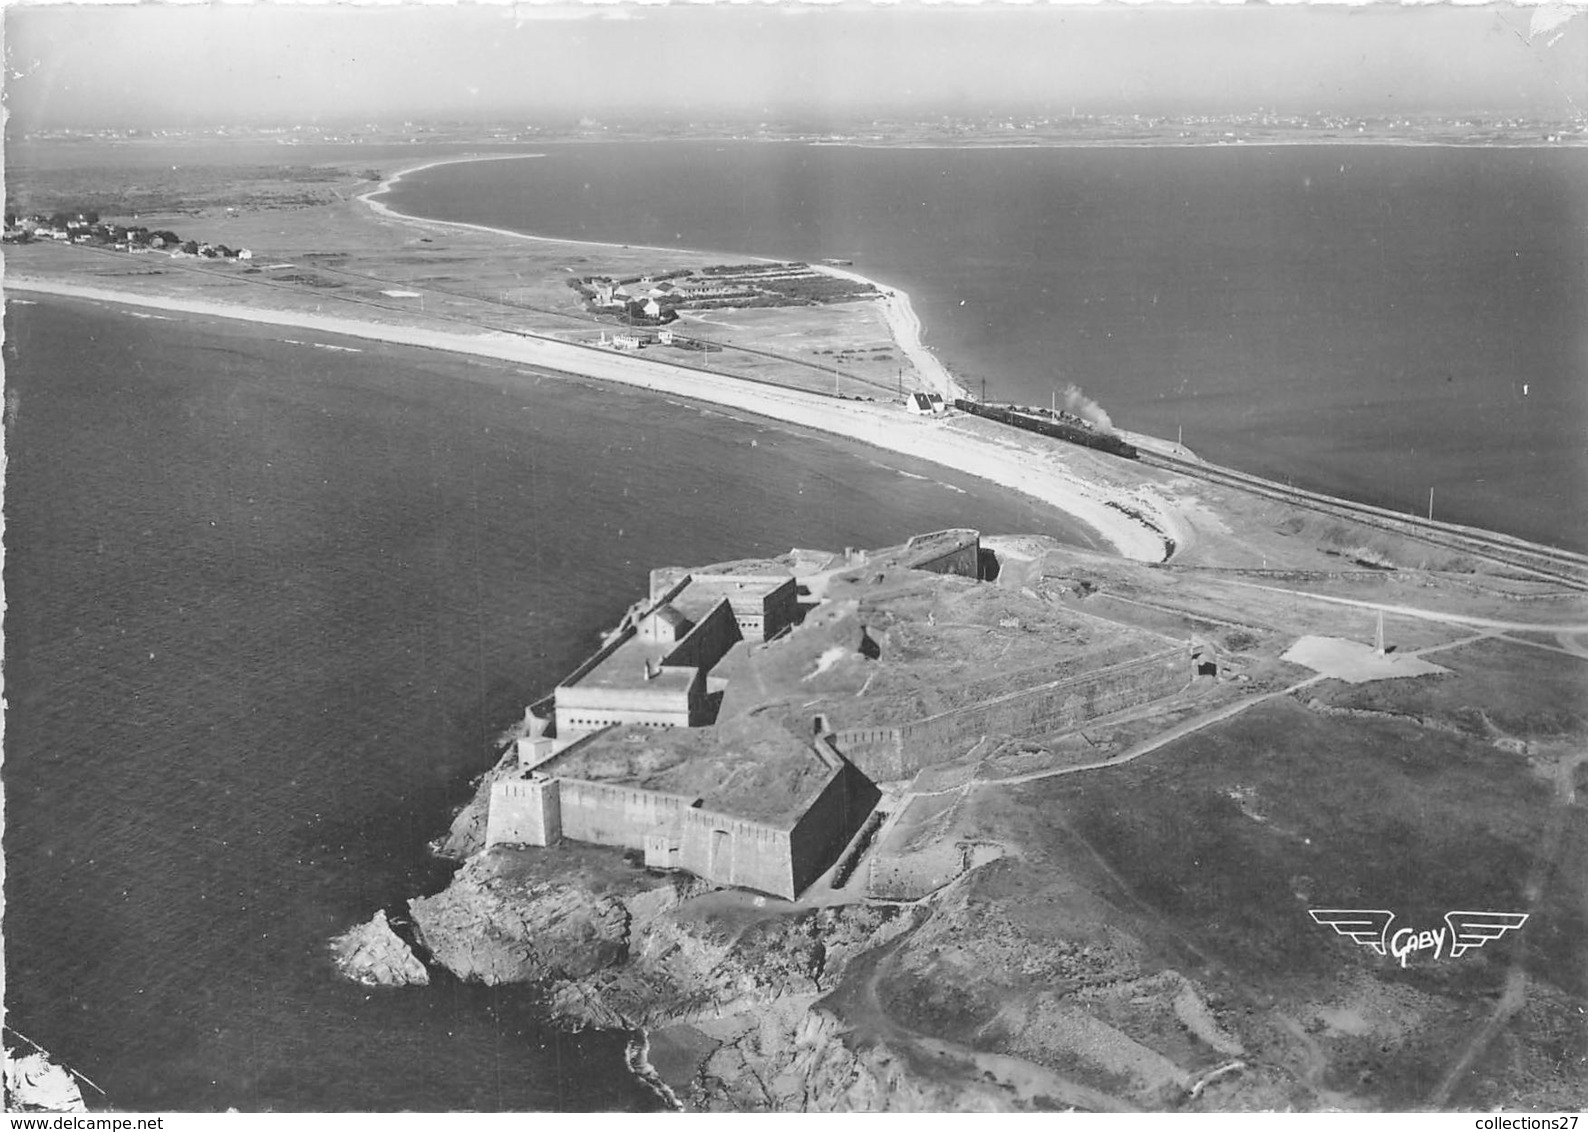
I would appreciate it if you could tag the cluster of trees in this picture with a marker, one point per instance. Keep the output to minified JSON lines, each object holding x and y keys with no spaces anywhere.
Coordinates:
{"x":753,"y":268}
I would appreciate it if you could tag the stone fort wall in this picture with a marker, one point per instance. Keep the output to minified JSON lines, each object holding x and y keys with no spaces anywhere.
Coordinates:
{"x":523,"y":811}
{"x":718,"y":847}
{"x":733,"y":851}
{"x":828,"y":823}
{"x":963,"y":561}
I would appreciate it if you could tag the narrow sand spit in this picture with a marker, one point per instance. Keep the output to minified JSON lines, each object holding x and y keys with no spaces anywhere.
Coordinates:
{"x":1010,"y":463}
{"x":885,"y":426}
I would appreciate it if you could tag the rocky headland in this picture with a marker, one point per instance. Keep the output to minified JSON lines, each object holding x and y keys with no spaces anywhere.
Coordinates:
{"x":1110,"y":916}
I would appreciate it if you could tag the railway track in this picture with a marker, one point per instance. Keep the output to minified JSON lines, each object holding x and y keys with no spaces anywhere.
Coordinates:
{"x":1564,"y":567}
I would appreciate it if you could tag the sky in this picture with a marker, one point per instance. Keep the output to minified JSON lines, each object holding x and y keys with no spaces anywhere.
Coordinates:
{"x":163,"y":65}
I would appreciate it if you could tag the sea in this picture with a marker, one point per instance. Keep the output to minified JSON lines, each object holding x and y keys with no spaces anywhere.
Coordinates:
{"x":271,"y":598}
{"x":1379,"y":322}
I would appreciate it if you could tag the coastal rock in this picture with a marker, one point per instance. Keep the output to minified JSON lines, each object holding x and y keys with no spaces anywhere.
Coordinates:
{"x":689,"y":970}
{"x":375,"y":955}
{"x":494,"y":927}
{"x":805,"y":1059}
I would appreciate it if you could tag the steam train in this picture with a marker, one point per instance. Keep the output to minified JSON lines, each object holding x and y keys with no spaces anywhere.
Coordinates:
{"x":1060,"y":425}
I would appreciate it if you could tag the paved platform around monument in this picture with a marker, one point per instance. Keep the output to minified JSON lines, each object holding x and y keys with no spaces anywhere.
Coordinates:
{"x":1355,"y":662}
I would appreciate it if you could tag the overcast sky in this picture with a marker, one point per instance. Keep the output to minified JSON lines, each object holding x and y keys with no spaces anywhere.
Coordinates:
{"x":164,"y":65}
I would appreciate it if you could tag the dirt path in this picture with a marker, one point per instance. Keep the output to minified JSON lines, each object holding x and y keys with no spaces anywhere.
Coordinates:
{"x":1514,"y":996}
{"x":1146,"y":747}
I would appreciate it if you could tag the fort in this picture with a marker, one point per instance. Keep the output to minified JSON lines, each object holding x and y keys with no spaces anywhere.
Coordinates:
{"x":743,"y":721}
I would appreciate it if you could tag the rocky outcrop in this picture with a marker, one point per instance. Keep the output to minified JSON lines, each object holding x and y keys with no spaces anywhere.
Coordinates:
{"x":375,"y":955}
{"x":727,"y":987}
{"x":493,"y":927}
{"x":692,"y":970}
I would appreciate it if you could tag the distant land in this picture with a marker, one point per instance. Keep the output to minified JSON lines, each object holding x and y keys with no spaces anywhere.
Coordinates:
{"x":978,"y":130}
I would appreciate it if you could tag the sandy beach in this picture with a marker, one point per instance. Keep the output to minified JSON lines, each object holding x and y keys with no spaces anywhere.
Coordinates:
{"x":1020,"y":462}
{"x":1013,"y":464}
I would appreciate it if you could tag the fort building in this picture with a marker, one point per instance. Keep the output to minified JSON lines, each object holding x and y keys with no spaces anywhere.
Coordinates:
{"x":654,"y":672}
{"x":727,"y":730}
{"x":746,"y":804}
{"x":764,"y":605}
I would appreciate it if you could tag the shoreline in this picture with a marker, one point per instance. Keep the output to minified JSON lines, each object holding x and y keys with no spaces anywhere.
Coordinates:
{"x":903,"y":323}
{"x":881,"y":425}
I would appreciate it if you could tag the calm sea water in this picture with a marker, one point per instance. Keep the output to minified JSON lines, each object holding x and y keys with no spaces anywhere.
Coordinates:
{"x":267,"y":606}
{"x":1368,"y":321}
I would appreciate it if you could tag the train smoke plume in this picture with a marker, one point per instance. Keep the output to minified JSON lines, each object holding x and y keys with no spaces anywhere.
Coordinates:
{"x":1086,"y":408}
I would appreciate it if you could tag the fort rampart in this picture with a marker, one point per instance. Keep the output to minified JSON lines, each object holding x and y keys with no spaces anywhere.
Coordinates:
{"x":675,"y":831}
{"x":828,"y":822}
{"x":891,"y":753}
{"x":961,"y":557}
